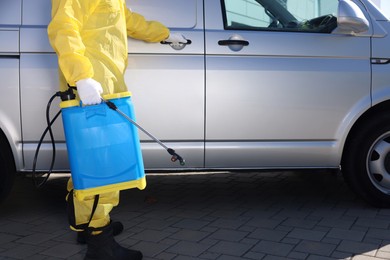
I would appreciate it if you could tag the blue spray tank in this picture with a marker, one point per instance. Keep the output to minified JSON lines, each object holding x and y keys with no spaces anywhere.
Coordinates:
{"x":103,"y":147}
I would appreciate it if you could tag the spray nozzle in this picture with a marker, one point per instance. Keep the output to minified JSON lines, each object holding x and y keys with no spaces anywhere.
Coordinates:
{"x":176,"y":157}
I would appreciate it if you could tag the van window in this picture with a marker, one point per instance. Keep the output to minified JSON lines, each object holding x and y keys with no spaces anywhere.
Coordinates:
{"x":281,"y":15}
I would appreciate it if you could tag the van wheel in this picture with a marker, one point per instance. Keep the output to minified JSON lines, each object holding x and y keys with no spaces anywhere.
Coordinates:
{"x":366,"y":161}
{"x":7,"y":168}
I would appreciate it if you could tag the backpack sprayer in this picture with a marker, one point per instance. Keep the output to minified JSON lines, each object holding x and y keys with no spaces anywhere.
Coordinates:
{"x":102,"y":143}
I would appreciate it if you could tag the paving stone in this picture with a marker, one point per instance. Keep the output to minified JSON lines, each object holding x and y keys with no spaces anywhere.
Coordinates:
{"x":254,"y":255}
{"x":230,"y":248}
{"x":183,"y":257}
{"x":209,"y":255}
{"x":299,"y":223}
{"x":364,"y":257}
{"x":166,"y":256}
{"x":357,"y":247}
{"x":268,"y":234}
{"x":36,"y":239}
{"x":19,"y":229}
{"x":298,"y":255}
{"x":317,"y":248}
{"x":22,"y":251}
{"x":264,"y":223}
{"x":151,"y":235}
{"x":383,"y":234}
{"x":385,"y":247}
{"x":150,"y":249}
{"x":336,"y":223}
{"x":372,"y":222}
{"x":333,"y":241}
{"x":384,"y":212}
{"x":228,"y":235}
{"x":272,"y":257}
{"x":291,"y":241}
{"x":362,"y":212}
{"x":342,"y":255}
{"x":346,"y":234}
{"x":306,"y":234}
{"x":273,"y":248}
{"x":249,"y":241}
{"x":191,"y":224}
{"x":227,"y":223}
{"x":63,"y":250}
{"x":168,"y":241}
{"x":189,"y":235}
{"x":291,"y":213}
{"x":372,"y":240}
{"x":229,"y":257}
{"x":188,"y":248}
{"x":5,"y":238}
{"x":316,"y":257}
{"x":382,"y":254}
{"x":156,"y":224}
{"x":247,"y":229}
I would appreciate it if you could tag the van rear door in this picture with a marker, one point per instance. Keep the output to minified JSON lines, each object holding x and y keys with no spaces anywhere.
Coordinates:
{"x":168,"y":84}
{"x":10,"y":20}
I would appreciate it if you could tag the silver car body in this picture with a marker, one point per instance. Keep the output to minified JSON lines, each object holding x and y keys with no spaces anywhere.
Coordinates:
{"x":287,"y":100}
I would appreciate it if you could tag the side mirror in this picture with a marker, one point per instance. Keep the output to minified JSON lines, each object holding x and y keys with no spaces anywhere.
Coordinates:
{"x":350,"y":19}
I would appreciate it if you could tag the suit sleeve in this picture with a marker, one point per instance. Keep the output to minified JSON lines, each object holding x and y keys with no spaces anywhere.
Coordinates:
{"x":64,"y":36}
{"x":139,"y":28}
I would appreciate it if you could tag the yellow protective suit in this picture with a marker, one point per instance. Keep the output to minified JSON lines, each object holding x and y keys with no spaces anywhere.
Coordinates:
{"x":90,"y":39}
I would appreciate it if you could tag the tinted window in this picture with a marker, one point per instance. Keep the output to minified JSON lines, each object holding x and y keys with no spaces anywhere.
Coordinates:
{"x":281,"y":15}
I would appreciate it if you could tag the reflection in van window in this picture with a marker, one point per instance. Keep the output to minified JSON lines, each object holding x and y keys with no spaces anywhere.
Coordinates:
{"x":281,"y":15}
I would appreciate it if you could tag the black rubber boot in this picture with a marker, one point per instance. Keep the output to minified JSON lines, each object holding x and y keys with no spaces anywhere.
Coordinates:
{"x":104,"y":247}
{"x":117,"y":228}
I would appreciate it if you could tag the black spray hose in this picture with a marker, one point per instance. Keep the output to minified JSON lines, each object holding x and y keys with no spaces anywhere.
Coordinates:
{"x":172,"y":152}
{"x":65,"y":95}
{"x":53,"y":158}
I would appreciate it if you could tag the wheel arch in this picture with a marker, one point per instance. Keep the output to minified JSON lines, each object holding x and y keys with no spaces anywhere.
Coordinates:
{"x":368,"y":115}
{"x":7,"y":166}
{"x":10,"y":141}
{"x":5,"y":146}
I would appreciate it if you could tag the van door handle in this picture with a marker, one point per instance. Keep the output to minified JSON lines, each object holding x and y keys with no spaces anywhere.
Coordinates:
{"x":165,"y":42}
{"x":177,"y":46}
{"x":233,"y":42}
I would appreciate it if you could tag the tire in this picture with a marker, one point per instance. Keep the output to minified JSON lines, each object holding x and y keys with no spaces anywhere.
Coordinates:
{"x":366,"y":161}
{"x":7,"y":168}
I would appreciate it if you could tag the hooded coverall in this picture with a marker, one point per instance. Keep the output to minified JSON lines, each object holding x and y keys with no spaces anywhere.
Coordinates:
{"x":90,"y":39}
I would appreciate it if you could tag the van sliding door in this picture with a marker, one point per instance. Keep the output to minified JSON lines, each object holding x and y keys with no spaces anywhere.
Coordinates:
{"x":168,"y":84}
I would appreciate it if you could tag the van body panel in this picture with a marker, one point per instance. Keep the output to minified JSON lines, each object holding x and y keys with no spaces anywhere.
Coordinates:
{"x":222,"y":107}
{"x":10,"y":13}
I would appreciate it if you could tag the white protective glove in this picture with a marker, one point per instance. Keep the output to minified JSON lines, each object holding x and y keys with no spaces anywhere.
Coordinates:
{"x":89,"y":91}
{"x":176,"y":38}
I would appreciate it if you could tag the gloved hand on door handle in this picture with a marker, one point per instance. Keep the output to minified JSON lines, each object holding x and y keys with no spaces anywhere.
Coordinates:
{"x":176,"y":38}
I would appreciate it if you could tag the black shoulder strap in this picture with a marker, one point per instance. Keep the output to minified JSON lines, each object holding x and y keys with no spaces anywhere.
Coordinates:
{"x":72,"y":215}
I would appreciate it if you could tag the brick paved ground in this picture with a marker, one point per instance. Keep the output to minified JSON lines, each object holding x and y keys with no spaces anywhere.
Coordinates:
{"x":267,"y":215}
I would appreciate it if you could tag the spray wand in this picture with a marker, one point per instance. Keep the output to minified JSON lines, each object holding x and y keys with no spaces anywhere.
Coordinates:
{"x":172,"y":152}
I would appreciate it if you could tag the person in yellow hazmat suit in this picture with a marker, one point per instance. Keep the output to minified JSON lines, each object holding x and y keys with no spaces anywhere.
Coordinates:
{"x":90,"y":39}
